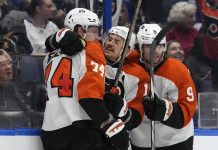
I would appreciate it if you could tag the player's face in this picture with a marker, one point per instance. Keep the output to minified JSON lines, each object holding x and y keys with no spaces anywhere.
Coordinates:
{"x":175,"y":51}
{"x":113,"y":47}
{"x":6,"y":70}
{"x":92,"y":33}
{"x":158,"y":55}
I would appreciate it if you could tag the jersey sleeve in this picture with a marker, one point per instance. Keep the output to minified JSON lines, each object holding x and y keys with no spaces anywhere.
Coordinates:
{"x":179,"y":88}
{"x":187,"y":99}
{"x":134,"y":104}
{"x":135,"y":69}
{"x":136,"y":107}
{"x":92,"y":83}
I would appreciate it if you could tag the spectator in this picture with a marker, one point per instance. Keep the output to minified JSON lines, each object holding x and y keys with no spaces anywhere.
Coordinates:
{"x":167,"y":5}
{"x":199,"y":70}
{"x":115,"y":10}
{"x":38,"y":28}
{"x":14,"y":38}
{"x":6,"y":73}
{"x":126,"y":14}
{"x":209,"y":11}
{"x":63,"y":6}
{"x":174,"y":50}
{"x":4,"y":10}
{"x":10,"y":98}
{"x":183,"y":13}
{"x":123,"y":18}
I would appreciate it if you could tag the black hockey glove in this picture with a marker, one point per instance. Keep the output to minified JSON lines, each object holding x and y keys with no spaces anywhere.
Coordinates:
{"x":68,"y":41}
{"x":116,"y":135}
{"x":157,"y":109}
{"x":115,"y":104}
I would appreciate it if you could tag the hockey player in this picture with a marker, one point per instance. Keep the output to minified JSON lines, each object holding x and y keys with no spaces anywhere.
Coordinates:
{"x":132,"y":82}
{"x":75,"y":116}
{"x":174,"y":102}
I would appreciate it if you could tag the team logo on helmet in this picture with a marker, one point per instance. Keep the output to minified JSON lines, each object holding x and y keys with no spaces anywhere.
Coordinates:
{"x":83,"y":17}
{"x":82,"y":11}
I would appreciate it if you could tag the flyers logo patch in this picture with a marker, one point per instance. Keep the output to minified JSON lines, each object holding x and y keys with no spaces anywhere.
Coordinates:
{"x":211,"y":27}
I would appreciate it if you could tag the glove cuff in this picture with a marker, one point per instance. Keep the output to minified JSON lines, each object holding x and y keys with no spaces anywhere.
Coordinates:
{"x":114,"y":128}
{"x":169,"y":109}
{"x":60,"y":34}
{"x":124,"y":109}
{"x":127,"y":117}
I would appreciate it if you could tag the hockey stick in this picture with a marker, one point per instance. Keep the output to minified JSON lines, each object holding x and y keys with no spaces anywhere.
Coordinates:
{"x":154,"y":45}
{"x":125,"y":49}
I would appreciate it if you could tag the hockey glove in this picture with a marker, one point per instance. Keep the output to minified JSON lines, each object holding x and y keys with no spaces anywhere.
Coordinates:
{"x":116,"y":135}
{"x":157,"y":109}
{"x":115,"y":104}
{"x":68,"y":41}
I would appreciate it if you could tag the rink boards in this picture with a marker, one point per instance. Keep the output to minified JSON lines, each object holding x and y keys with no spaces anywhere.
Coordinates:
{"x":26,"y":139}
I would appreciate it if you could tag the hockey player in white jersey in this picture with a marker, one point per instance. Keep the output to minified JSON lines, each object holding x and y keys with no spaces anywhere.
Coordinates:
{"x":76,"y":117}
{"x":174,"y":101}
{"x":126,"y":104}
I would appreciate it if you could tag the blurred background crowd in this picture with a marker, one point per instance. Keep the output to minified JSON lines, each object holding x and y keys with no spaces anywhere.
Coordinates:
{"x":25,"y":24}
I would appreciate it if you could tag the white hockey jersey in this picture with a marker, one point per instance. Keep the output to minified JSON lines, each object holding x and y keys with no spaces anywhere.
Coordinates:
{"x":69,"y":79}
{"x":172,"y":82}
{"x":133,"y":82}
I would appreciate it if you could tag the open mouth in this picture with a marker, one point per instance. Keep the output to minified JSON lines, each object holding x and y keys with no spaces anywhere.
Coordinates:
{"x":155,"y":57}
{"x":178,"y":57}
{"x":9,"y":73}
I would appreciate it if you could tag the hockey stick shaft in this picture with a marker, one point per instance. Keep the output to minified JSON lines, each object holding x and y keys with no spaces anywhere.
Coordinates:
{"x":154,"y":45}
{"x":125,"y":49}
